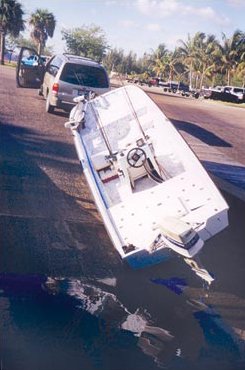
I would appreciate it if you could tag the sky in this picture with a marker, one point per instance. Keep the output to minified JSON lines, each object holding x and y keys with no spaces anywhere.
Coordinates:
{"x":141,"y":25}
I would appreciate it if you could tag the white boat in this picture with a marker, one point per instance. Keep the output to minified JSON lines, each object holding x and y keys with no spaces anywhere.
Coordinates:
{"x":152,"y":192}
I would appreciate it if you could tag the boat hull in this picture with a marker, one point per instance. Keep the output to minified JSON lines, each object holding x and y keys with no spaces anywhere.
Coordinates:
{"x":132,"y":201}
{"x":144,"y":258}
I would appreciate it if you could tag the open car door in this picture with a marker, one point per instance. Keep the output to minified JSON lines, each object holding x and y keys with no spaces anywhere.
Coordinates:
{"x":30,"y":69}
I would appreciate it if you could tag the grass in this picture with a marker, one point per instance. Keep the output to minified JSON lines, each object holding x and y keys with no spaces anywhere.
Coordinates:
{"x":237,"y":105}
{"x":10,"y":64}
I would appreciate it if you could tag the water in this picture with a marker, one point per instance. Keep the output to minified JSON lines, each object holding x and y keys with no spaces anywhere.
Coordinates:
{"x":146,"y":319}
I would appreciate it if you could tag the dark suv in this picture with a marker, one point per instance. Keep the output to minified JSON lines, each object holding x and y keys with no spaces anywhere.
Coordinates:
{"x":180,"y":88}
{"x":174,"y":86}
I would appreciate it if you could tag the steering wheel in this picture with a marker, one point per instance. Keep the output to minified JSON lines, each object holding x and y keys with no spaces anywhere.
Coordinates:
{"x":136,"y":157}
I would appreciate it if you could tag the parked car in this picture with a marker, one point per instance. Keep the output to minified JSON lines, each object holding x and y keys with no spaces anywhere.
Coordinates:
{"x":174,"y":86}
{"x":237,"y":92}
{"x":179,"y":87}
{"x":211,"y":93}
{"x":225,"y":93}
{"x":154,"y":81}
{"x":64,"y":77}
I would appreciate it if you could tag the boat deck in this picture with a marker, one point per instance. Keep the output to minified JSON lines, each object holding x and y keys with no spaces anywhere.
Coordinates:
{"x":136,"y":203}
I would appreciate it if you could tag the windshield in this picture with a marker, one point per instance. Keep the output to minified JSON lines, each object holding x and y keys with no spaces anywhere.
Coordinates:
{"x":78,"y":74}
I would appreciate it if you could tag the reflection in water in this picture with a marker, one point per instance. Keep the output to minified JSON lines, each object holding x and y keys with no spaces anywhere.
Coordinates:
{"x":199,"y":269}
{"x":175,"y":284}
{"x":57,"y":322}
{"x":152,"y":340}
{"x":39,"y":309}
{"x":223,"y":347}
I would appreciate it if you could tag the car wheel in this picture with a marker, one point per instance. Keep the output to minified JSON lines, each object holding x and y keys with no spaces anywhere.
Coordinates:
{"x":49,"y":108}
{"x":40,"y":91}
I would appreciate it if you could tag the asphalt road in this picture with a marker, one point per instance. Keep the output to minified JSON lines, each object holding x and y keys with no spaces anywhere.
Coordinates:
{"x":49,"y":224}
{"x":47,"y":214}
{"x":207,"y":122}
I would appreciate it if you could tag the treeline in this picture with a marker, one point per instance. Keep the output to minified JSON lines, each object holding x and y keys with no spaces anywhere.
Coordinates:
{"x":199,"y":60}
{"x":12,"y":22}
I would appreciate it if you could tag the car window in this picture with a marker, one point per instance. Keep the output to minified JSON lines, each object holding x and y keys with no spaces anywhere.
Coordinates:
{"x":57,"y":62}
{"x":84,"y":75}
{"x":43,"y":59}
{"x":237,"y":90}
{"x":54,"y":66}
{"x":53,"y":70}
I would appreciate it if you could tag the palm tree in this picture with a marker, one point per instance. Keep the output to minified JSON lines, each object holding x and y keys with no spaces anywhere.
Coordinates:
{"x":200,"y":54}
{"x":231,"y":53}
{"x":214,"y":67}
{"x":158,"y":61}
{"x":174,"y":66}
{"x":43,"y":24}
{"x":241,"y":72}
{"x":11,"y":22}
{"x":207,"y":48}
{"x":187,"y":51}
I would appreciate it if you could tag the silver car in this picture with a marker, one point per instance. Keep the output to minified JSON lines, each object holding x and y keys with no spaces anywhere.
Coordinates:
{"x":64,"y":77}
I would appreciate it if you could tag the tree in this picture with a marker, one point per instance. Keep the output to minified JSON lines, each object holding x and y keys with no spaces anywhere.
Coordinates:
{"x":17,"y":42}
{"x":200,"y":54}
{"x":173,"y":65}
{"x":113,"y":60}
{"x":231,"y":51}
{"x":130,"y":63}
{"x":188,"y":53}
{"x":159,"y":60}
{"x":241,"y":72}
{"x":87,"y":41}
{"x":207,"y":48}
{"x":144,"y":63}
{"x":43,"y":23}
{"x":11,"y":22}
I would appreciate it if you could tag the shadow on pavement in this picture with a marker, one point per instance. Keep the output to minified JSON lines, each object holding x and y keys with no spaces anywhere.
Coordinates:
{"x":44,"y":227}
{"x":200,"y":133}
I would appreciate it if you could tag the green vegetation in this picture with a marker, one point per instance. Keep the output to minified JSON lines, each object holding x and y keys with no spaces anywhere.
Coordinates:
{"x":87,"y":41}
{"x":10,"y":64}
{"x":15,"y":42}
{"x":43,"y":26}
{"x":229,"y":104}
{"x":200,"y":60}
{"x":11,"y":22}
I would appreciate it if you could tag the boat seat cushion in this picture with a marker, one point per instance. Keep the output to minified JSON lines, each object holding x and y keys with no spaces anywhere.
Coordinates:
{"x":100,"y":161}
